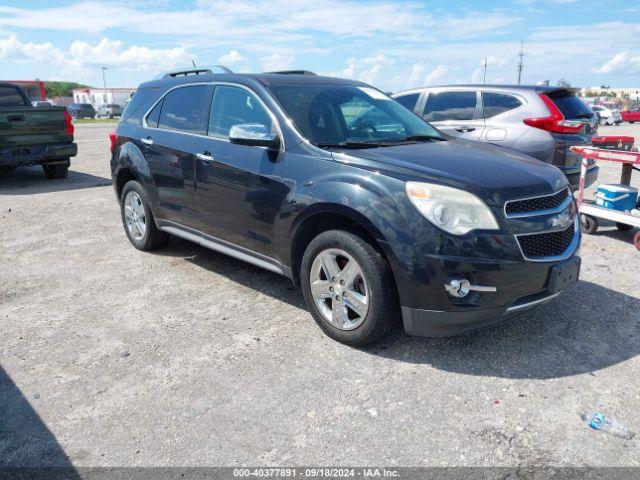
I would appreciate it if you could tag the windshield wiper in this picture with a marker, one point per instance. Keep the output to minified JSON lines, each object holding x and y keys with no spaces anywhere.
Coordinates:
{"x":348,"y":144}
{"x":422,"y":138}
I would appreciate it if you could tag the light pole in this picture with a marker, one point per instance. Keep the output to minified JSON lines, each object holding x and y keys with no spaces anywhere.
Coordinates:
{"x":484,"y":77}
{"x":104,"y":84}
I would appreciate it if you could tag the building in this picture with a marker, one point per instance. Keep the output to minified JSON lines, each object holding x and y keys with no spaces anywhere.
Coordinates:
{"x":620,"y":93}
{"x":102,"y":96}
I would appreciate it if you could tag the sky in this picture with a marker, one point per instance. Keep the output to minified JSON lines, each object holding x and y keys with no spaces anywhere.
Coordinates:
{"x":393,"y":45}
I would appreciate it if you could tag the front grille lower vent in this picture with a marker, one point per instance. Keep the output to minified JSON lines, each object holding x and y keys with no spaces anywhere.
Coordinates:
{"x":541,"y":245}
{"x":537,"y":204}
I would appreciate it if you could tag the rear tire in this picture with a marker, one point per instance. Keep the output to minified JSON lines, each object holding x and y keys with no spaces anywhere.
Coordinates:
{"x":355,"y":304}
{"x":588,"y":224}
{"x":137,"y":218}
{"x":55,"y":171}
{"x":623,"y":227}
{"x":636,"y":240}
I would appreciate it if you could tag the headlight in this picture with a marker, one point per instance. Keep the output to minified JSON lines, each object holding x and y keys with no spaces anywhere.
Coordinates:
{"x":453,"y":210}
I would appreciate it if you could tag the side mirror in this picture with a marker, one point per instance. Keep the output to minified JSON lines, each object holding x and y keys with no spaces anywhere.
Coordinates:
{"x":254,"y":134}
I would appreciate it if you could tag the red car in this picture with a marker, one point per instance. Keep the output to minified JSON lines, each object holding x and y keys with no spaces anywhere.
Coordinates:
{"x":631,"y":116}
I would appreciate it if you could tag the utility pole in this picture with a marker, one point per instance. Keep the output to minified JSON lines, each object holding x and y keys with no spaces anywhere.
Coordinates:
{"x":484,"y":77}
{"x":104,"y":78}
{"x":521,"y":62}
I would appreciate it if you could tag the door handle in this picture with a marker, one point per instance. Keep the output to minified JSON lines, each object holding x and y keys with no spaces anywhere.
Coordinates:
{"x":465,"y":129}
{"x":147,"y":141}
{"x":206,"y":157}
{"x":15,"y":118}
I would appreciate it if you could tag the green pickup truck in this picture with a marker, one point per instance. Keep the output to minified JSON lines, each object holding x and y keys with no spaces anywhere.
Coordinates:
{"x":34,"y":136}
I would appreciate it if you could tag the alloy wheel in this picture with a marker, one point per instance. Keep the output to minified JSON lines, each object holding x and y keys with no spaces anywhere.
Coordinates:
{"x":134,"y":215}
{"x":339,"y":289}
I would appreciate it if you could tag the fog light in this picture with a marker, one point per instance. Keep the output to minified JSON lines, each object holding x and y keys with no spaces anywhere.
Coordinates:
{"x":461,"y":287}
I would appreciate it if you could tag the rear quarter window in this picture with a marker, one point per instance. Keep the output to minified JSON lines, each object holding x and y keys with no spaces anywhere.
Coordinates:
{"x":139,"y":104}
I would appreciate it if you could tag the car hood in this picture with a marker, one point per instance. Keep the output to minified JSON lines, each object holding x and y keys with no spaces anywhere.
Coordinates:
{"x":495,"y":174}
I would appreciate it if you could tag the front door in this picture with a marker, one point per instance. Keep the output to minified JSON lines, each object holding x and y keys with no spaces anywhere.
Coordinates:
{"x":239,"y":191}
{"x":455,"y":112}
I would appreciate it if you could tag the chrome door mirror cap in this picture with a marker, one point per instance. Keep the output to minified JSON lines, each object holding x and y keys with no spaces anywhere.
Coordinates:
{"x":254,"y":134}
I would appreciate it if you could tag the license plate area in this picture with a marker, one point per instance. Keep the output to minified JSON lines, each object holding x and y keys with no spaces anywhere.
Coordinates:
{"x":564,"y":275}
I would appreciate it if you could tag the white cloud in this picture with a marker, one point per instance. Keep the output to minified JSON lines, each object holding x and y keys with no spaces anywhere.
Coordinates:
{"x":419,"y":76}
{"x":436,"y":74}
{"x":233,"y":57}
{"x":365,"y":69}
{"x":105,"y":52}
{"x":281,"y":21}
{"x":623,"y":62}
{"x":277,"y":62}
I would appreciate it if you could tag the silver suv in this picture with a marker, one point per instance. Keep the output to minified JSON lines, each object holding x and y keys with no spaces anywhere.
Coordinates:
{"x":542,"y":122}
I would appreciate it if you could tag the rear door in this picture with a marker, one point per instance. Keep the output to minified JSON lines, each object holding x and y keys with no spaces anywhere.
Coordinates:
{"x":172,"y":127}
{"x":455,"y":112}
{"x":502,"y":123}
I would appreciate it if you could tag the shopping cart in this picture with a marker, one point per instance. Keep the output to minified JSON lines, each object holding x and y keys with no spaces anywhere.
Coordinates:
{"x":589,"y":211}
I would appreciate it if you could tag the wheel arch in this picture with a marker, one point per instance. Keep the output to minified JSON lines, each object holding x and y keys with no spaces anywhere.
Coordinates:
{"x":328,"y":216}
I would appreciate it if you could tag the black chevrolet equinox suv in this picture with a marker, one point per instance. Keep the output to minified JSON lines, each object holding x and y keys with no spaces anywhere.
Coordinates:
{"x":374,"y":212}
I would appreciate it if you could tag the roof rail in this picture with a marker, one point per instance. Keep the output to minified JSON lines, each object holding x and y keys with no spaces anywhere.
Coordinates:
{"x":195,"y":71}
{"x":293,"y":72}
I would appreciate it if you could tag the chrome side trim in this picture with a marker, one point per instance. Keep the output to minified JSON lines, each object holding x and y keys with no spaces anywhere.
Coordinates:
{"x":531,"y":304}
{"x":225,"y":248}
{"x":568,"y":252}
{"x":540,"y":213}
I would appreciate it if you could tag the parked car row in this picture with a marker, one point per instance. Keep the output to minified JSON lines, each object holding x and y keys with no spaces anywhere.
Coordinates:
{"x":86,"y":110}
{"x":376,"y":213}
{"x":631,"y":116}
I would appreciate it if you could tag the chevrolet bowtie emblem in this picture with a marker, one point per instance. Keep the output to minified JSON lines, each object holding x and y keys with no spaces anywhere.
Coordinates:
{"x":562,"y":220}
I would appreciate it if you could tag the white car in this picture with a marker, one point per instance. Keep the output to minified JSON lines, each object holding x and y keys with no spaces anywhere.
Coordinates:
{"x":607,"y":116}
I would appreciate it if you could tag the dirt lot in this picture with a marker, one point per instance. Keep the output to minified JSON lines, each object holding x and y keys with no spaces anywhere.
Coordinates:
{"x":110,"y":356}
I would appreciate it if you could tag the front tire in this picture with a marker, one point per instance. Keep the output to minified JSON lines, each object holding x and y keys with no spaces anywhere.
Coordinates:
{"x":349,"y":288}
{"x":137,"y":218}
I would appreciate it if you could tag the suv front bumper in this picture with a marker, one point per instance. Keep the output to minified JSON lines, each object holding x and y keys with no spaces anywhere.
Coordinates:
{"x":519,"y":289}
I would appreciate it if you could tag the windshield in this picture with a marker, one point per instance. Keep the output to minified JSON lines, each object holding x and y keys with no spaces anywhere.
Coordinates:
{"x":349,"y":115}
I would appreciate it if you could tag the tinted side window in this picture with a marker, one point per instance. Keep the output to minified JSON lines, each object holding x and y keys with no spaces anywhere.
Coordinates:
{"x":154,"y":115}
{"x":186,"y":109}
{"x":450,"y":106}
{"x":233,"y":106}
{"x":497,"y":103}
{"x":408,"y":101}
{"x":10,"y":97}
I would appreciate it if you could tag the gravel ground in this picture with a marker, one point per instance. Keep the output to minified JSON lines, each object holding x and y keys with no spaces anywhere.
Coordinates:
{"x":114,"y":357}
